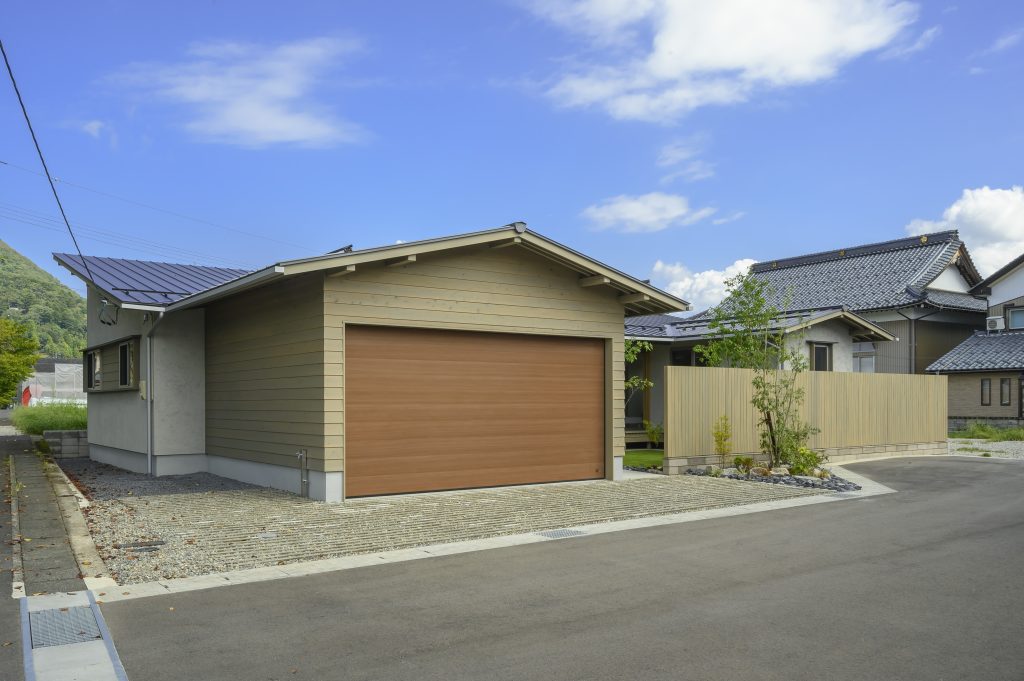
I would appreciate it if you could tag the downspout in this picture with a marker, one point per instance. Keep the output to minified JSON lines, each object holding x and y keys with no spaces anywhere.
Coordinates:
{"x":913,"y":336}
{"x":149,"y":393}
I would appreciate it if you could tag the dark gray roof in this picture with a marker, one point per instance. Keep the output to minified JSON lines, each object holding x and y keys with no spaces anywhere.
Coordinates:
{"x":885,"y":275}
{"x":146,"y":282}
{"x":678,"y":329}
{"x":984,"y":352}
{"x":650,"y":325}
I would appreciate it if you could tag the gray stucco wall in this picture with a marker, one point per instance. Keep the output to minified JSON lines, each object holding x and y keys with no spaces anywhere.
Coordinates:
{"x":834,"y":332}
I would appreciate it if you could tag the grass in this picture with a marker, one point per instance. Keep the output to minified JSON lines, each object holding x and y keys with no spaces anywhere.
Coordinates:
{"x":983,"y":431}
{"x":57,"y":416}
{"x":976,"y":450}
{"x":647,"y":458}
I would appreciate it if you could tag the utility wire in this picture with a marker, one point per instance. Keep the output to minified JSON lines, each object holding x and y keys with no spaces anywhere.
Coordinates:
{"x":42,"y":160}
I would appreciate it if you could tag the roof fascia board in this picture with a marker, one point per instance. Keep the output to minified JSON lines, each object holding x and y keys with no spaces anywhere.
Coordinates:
{"x":235,"y":286}
{"x":143,"y":308}
{"x":649,"y":339}
{"x":851,"y":319}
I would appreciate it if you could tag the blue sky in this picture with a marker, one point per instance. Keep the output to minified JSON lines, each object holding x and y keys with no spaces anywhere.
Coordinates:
{"x":673,"y":140}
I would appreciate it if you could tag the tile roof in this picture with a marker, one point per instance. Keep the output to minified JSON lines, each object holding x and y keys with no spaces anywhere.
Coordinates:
{"x":885,"y":275}
{"x":984,"y":352}
{"x":651,"y":325}
{"x":145,"y":282}
{"x":693,"y":328}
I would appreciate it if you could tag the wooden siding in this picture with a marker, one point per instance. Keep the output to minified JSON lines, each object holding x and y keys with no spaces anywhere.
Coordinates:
{"x":265,"y":377}
{"x":110,"y":366}
{"x":965,"y":395}
{"x":1003,"y":308}
{"x":507,"y":290}
{"x":893,"y":357}
{"x":849,"y":409}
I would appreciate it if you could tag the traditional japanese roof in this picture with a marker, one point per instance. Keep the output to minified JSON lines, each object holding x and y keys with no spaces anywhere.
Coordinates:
{"x":984,"y":351}
{"x":879,"y":276}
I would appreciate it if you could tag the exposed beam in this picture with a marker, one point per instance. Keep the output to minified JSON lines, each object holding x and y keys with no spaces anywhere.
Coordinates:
{"x":347,"y":269}
{"x":515,"y":241}
{"x":401,"y":262}
{"x":629,"y":298}
{"x":595,"y":280}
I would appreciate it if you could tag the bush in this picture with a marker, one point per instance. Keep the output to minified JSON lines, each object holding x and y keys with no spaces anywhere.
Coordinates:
{"x":655,"y":432}
{"x":805,"y":460}
{"x":743,"y":464}
{"x":722,"y":433}
{"x":56,"y":416}
{"x":985,"y":431}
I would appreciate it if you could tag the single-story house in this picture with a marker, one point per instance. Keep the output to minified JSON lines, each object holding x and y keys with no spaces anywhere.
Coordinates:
{"x":986,"y":379}
{"x":482,"y":359}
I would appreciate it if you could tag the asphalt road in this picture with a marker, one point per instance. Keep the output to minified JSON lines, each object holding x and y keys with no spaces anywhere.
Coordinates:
{"x":923,"y":584}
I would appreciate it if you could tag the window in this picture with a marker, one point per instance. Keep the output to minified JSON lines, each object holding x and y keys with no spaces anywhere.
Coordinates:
{"x":1015,"y":318}
{"x":821,"y":357}
{"x":986,"y":392}
{"x":1004,"y":392}
{"x":864,"y":358}
{"x":125,"y":365}
{"x":93,"y":370}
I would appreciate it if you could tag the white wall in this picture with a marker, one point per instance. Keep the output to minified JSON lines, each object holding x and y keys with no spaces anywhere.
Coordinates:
{"x":1008,"y":288}
{"x":950,"y":280}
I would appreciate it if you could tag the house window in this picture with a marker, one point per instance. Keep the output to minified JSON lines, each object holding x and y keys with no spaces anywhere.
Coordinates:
{"x":821,"y":357}
{"x":864,"y":358}
{"x":986,"y":392}
{"x":93,"y":370}
{"x":125,"y":365}
{"x":1004,"y":392}
{"x":1015,"y":319}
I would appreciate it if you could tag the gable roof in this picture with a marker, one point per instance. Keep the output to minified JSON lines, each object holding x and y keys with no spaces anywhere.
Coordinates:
{"x":984,"y":286}
{"x":1003,"y":351}
{"x":677,"y":329}
{"x":137,"y":283}
{"x":146,"y":282}
{"x":879,"y":276}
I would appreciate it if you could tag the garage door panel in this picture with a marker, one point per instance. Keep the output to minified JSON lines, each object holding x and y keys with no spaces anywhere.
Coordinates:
{"x":430,"y":410}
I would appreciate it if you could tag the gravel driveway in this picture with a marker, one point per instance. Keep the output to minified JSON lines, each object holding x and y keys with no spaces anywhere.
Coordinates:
{"x":1013,"y":449}
{"x":180,"y":526}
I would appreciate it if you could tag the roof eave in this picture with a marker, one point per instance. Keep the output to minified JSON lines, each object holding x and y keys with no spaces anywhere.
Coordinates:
{"x":257,"y":278}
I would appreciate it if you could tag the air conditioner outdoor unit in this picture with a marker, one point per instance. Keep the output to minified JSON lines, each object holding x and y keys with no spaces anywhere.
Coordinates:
{"x":995,"y":323}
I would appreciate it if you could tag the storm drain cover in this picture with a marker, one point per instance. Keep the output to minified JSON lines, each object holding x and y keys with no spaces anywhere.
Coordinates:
{"x":62,"y":626}
{"x":561,"y":534}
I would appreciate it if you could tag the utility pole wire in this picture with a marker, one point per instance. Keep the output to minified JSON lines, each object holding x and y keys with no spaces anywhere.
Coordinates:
{"x":42,"y":160}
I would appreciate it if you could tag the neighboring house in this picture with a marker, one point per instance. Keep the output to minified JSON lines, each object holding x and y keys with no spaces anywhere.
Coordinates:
{"x":490,"y":358}
{"x":889,"y":307}
{"x":986,"y":379}
{"x":53,"y":380}
{"x":986,"y":371}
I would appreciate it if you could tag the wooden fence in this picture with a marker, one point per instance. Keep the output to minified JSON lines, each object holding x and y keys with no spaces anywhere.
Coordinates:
{"x":854,"y":413}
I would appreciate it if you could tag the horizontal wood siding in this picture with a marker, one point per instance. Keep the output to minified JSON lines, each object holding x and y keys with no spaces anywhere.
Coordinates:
{"x":265,"y":379}
{"x":507,"y":290}
{"x":848,"y":409}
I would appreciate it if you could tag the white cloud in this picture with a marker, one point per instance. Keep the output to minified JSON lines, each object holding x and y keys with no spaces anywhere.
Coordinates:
{"x":682,"y":156}
{"x":93,"y":128}
{"x":991,"y":223}
{"x":677,"y":56}
{"x":738,"y":215}
{"x":922,"y":43}
{"x":701,"y":289}
{"x":1005,"y":41}
{"x":252,"y":95}
{"x":651,"y":212}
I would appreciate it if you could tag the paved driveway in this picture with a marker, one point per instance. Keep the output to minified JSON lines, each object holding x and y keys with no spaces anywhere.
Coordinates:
{"x":923,"y":584}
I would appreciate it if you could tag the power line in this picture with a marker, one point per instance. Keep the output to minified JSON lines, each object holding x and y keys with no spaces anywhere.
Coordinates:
{"x":42,"y":160}
{"x":158,"y":209}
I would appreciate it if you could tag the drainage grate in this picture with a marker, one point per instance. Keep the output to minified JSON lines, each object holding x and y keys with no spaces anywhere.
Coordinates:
{"x":62,"y":626}
{"x":561,"y":534}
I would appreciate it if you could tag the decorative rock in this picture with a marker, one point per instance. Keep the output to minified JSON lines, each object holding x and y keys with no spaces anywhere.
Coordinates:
{"x":780,"y":470}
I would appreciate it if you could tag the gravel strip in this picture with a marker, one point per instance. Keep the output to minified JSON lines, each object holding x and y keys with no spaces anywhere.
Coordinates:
{"x":1012,"y":449}
{"x":180,"y":526}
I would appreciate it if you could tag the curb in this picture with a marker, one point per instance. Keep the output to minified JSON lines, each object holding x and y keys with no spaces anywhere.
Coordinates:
{"x":18,"y":568}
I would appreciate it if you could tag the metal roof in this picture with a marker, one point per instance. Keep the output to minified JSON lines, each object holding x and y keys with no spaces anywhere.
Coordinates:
{"x":145,"y":282}
{"x":1003,"y":351}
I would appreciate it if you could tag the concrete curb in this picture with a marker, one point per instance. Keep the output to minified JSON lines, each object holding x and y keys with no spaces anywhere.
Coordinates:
{"x":18,"y":567}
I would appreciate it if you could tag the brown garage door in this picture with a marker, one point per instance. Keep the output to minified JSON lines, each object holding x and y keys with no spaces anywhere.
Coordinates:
{"x":432,"y":410}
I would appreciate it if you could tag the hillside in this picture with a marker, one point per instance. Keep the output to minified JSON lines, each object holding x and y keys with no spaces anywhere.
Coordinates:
{"x":55,"y":313}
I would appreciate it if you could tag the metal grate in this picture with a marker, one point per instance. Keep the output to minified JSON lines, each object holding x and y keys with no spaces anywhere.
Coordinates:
{"x":561,"y":534}
{"x":62,"y":626}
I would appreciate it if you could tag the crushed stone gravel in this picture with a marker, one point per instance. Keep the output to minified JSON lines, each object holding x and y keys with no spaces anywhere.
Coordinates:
{"x":210,"y":524}
{"x":1012,"y":449}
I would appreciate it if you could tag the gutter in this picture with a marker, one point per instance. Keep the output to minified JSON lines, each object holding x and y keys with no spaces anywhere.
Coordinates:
{"x":150,"y":440}
{"x":247,"y":281}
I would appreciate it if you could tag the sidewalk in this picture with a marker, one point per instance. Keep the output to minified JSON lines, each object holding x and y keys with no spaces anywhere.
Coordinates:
{"x":10,"y":626}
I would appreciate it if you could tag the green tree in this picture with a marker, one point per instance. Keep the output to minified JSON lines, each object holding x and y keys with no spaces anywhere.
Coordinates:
{"x":19,"y":352}
{"x":748,"y":332}
{"x":636,"y":384}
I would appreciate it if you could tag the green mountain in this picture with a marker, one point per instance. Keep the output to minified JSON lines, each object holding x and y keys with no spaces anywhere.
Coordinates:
{"x":55,"y":314}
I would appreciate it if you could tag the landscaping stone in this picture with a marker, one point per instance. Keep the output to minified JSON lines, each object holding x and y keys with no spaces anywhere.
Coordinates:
{"x":832,"y":483}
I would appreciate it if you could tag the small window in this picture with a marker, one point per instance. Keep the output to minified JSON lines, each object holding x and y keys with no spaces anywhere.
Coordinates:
{"x":93,"y":370}
{"x":821,"y":357}
{"x":864,"y":358}
{"x":986,"y":392}
{"x":125,"y":365}
{"x":1015,"y":319}
{"x":1004,"y":392}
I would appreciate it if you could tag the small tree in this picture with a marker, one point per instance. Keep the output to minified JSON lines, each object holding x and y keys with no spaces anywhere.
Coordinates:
{"x":636,"y":384}
{"x":722,"y":433}
{"x":748,"y":333}
{"x":18,"y":354}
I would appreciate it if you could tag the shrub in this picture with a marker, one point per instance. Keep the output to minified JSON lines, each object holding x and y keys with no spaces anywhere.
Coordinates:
{"x":655,"y":432}
{"x":985,"y":431}
{"x":743,"y":464}
{"x":723,"y":439}
{"x":55,"y":416}
{"x":805,"y":460}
